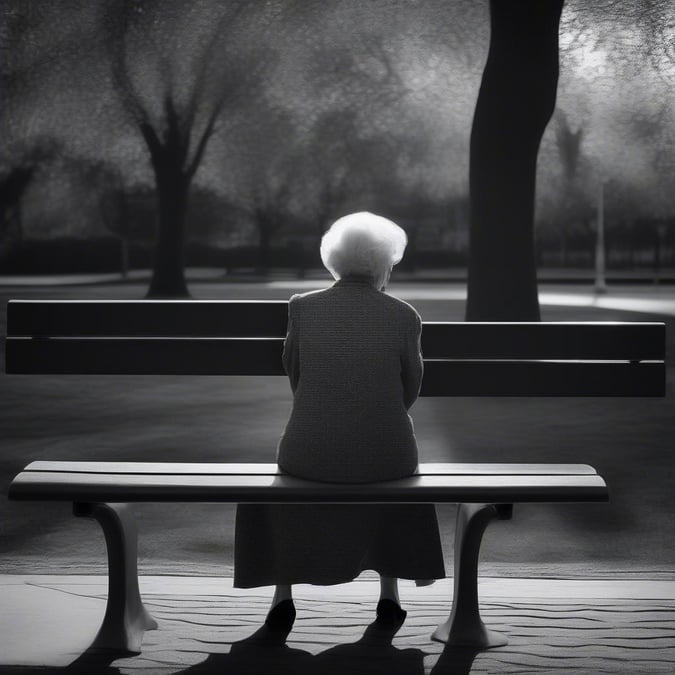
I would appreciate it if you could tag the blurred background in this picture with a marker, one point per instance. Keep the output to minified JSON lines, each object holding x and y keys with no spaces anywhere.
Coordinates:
{"x":261,"y":122}
{"x":298,"y":112}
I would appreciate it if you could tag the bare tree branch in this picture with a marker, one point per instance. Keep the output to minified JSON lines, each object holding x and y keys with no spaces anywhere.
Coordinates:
{"x":206,"y":59}
{"x":117,"y":19}
{"x":204,"y":139}
{"x":151,"y":138}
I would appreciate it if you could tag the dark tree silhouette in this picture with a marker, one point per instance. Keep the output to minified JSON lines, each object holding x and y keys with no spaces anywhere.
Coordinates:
{"x":176,"y":133}
{"x":269,"y":213}
{"x":267,"y":171}
{"x":15,"y":179}
{"x":515,"y":103}
{"x":574,"y":208}
{"x":12,"y":187}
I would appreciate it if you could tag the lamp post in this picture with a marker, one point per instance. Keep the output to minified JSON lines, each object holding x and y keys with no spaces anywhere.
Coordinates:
{"x":600,"y":284}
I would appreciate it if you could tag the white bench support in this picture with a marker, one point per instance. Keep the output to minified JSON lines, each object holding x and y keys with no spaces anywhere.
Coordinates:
{"x":464,"y":627}
{"x":126,"y":619}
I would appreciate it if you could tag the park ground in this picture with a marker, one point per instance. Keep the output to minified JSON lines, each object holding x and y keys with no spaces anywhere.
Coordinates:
{"x":621,"y":555}
{"x":205,"y":627}
{"x":164,"y":418}
{"x":212,"y":419}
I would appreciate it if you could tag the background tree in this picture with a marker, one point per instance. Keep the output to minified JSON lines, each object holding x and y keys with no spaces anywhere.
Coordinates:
{"x":27,"y":160}
{"x":12,"y":186}
{"x":404,"y":75}
{"x":176,"y":107}
{"x":573,"y":208}
{"x":515,"y":102}
{"x":264,"y":173}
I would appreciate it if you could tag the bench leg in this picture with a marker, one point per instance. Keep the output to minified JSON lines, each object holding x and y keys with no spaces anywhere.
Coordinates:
{"x":465,"y":628}
{"x":126,"y":619}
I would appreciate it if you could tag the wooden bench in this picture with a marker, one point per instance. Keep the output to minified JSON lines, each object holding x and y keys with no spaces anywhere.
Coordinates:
{"x":246,"y":338}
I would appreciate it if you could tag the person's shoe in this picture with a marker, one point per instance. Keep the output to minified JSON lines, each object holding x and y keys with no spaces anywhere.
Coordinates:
{"x":281,"y":616}
{"x":389,"y":613}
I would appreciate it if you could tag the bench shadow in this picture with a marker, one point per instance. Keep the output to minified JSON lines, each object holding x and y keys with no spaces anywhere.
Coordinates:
{"x":455,"y":661}
{"x":89,"y":662}
{"x":267,"y":652}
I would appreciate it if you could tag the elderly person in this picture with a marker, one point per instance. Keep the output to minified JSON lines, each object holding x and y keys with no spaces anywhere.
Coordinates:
{"x":352,"y":354}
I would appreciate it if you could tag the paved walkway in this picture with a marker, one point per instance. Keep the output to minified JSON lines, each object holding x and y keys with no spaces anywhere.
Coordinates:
{"x":642,"y":299}
{"x":206,"y":626}
{"x":647,"y":298}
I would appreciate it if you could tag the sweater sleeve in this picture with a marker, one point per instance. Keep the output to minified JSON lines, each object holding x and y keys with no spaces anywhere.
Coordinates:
{"x":412,"y":366}
{"x":291,"y":353}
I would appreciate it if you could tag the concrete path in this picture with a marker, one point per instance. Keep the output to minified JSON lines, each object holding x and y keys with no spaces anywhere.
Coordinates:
{"x":206,"y":626}
{"x":644,"y":298}
{"x":641,"y":299}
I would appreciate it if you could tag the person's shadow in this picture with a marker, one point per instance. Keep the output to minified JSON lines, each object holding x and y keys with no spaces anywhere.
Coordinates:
{"x":267,"y":652}
{"x":455,"y":661}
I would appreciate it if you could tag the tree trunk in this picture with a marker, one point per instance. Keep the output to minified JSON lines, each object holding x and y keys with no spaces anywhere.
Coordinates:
{"x":515,"y":102}
{"x":168,"y":275}
{"x":264,"y":241}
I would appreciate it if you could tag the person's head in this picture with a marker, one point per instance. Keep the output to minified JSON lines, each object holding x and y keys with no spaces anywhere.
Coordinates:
{"x":363,"y":245}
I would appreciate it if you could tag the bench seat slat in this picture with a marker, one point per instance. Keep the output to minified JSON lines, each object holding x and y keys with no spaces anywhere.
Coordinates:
{"x":37,"y":485}
{"x":213,"y":356}
{"x":272,"y":469}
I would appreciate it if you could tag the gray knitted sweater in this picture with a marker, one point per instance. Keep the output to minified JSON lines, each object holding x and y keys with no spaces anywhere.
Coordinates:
{"x":352,"y":354}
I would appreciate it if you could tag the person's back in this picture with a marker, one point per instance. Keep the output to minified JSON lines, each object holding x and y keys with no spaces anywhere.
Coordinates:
{"x":356,"y":354}
{"x":352,"y":355}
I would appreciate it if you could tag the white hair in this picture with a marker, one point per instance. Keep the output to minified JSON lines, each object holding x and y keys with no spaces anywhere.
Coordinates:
{"x":363,"y":244}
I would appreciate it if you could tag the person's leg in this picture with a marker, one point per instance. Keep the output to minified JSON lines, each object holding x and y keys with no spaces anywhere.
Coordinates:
{"x":282,"y":592}
{"x":389,"y":589}
{"x":282,"y":613}
{"x":389,"y":612}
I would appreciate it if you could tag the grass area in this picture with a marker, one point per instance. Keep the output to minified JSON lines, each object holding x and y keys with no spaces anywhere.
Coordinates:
{"x":166,"y":418}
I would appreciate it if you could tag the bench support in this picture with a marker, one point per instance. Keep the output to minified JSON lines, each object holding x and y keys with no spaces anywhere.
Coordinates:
{"x":126,"y":619}
{"x":464,"y":628}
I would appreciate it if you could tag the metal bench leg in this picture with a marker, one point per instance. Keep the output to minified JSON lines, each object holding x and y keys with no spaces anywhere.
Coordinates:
{"x":465,"y":628}
{"x":126,"y":619}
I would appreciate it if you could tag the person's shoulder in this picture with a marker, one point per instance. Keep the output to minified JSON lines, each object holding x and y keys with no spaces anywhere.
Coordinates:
{"x":298,"y":301}
{"x":403,"y":308}
{"x":308,"y":296}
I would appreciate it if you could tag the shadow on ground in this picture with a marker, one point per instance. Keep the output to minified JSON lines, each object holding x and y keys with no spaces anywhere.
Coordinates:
{"x":266,"y":651}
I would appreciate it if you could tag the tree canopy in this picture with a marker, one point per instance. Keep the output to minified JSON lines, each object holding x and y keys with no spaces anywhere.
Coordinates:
{"x":373,"y":100}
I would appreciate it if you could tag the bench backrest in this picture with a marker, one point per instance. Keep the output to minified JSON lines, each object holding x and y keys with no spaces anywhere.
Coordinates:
{"x":224,"y":337}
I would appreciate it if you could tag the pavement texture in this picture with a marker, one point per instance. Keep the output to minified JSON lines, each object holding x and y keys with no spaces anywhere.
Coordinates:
{"x":206,"y":626}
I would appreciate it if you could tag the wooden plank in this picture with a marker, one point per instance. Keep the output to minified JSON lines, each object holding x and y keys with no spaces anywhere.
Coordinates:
{"x":141,"y":356}
{"x":589,"y":341}
{"x":542,"y":378}
{"x":36,"y":485}
{"x":231,"y":318}
{"x":478,"y":468}
{"x":272,"y":469}
{"x":250,"y":356}
{"x":145,"y":318}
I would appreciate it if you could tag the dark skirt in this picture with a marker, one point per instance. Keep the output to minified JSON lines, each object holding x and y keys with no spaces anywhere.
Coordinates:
{"x":331,"y":544}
